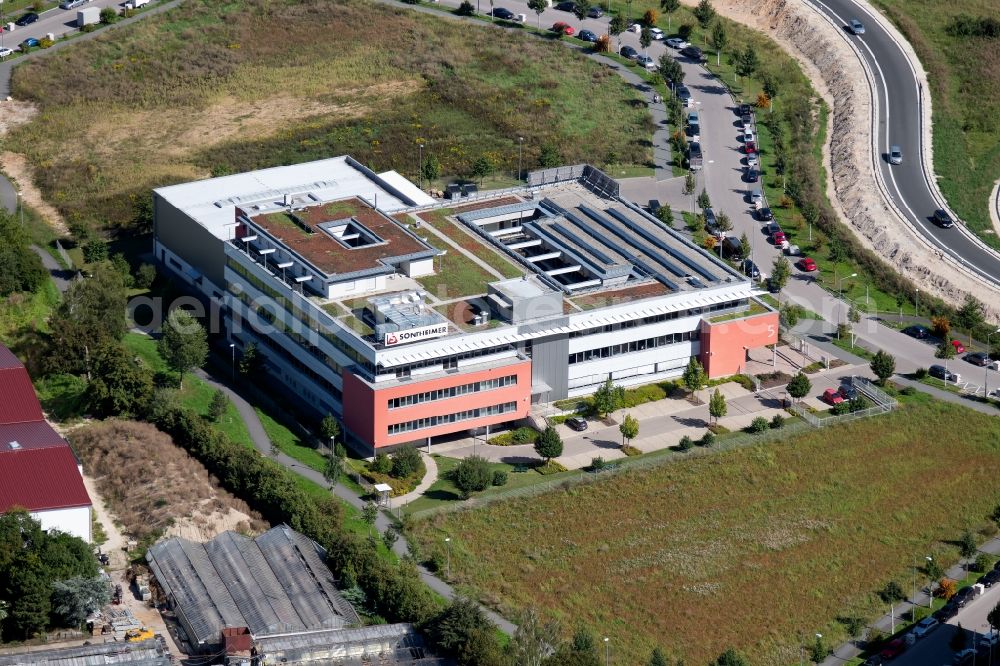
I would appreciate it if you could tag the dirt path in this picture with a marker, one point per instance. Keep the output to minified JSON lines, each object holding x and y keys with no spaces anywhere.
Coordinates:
{"x":17,"y":169}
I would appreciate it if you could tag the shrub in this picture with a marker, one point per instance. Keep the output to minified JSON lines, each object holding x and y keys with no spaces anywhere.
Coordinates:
{"x":144,"y":276}
{"x":946,"y":589}
{"x":597,"y":464}
{"x":551,"y":467}
{"x":466,"y":9}
{"x":109,"y":15}
{"x":778,"y":421}
{"x":472,"y":475}
{"x":524,"y":435}
{"x":982,"y":563}
{"x":405,"y":462}
{"x":707,"y":439}
{"x":686,"y":443}
{"x":382,"y":464}
{"x":45,"y":43}
{"x":499,"y":478}
{"x":631,"y":451}
{"x":920,"y":373}
{"x":759,"y":424}
{"x":908,"y":390}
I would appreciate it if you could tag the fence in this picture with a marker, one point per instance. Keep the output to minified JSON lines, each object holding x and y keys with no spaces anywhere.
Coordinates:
{"x":883,"y":405}
{"x":655,"y":459}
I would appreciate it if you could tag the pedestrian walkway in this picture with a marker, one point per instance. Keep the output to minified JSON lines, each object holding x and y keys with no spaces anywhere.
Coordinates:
{"x":430,"y":476}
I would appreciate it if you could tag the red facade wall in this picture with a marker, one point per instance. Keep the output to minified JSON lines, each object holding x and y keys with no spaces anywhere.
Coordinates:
{"x":724,"y":345}
{"x":367,"y":414}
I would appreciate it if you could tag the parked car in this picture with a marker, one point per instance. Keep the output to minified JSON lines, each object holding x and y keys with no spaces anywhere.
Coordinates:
{"x":26,"y":19}
{"x":925,"y":626}
{"x":756,"y":199}
{"x":917,"y":331}
{"x":989,"y":640}
{"x":695,"y":157}
{"x":712,"y":224}
{"x":965,"y":595}
{"x":893,"y":648}
{"x":693,"y":52}
{"x":587,"y":36}
{"x":656,"y":34}
{"x":752,"y":159}
{"x":750,"y":269}
{"x":963,"y":657}
{"x":503,"y":13}
{"x":72,"y":4}
{"x":675,"y":43}
{"x":646,"y":61}
{"x":806,"y":264}
{"x":566,"y":6}
{"x":576,"y":423}
{"x":29,"y":43}
{"x":732,"y":247}
{"x":895,"y":155}
{"x":5,"y":52}
{"x":744,"y":110}
{"x":978,"y":358}
{"x":793,"y":250}
{"x":847,"y":392}
{"x":857,"y":27}
{"x":943,"y":219}
{"x":747,"y":120}
{"x":959,"y":347}
{"x":941,"y":372}
{"x":747,"y":136}
{"x":684,"y":95}
{"x":749,"y":147}
{"x":779,"y":239}
{"x":765,"y":215}
{"x":752,"y":175}
{"x":595,"y":12}
{"x":989,"y":579}
{"x":946,"y":612}
{"x":628,"y":52}
{"x":772,"y":228}
{"x":564,"y":29}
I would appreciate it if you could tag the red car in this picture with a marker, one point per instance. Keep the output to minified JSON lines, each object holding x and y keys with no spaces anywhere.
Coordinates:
{"x":779,"y":238}
{"x":893,"y":648}
{"x":959,"y":347}
{"x":563,"y":29}
{"x":832,"y":397}
{"x":749,"y":147}
{"x":807,"y":264}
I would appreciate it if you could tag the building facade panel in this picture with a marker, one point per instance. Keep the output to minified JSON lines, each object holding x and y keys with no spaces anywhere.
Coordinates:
{"x":724,"y":345}
{"x":74,"y":521}
{"x":418,"y":409}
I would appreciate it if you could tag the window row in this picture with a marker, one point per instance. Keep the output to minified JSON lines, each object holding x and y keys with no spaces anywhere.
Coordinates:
{"x":432,"y":421}
{"x":634,"y":346}
{"x":452,"y":391}
{"x":656,"y":319}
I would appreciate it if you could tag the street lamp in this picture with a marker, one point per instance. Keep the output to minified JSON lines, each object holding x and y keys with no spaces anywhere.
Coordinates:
{"x":841,"y":283}
{"x":420,"y":166}
{"x":20,"y":206}
{"x":232,"y":348}
{"x":447,"y":540}
{"x":918,"y":303}
{"x":986,"y":369}
{"x":930,"y":586}
{"x":520,"y":148}
{"x":607,"y":652}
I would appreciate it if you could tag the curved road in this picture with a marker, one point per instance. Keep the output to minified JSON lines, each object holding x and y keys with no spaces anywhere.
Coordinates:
{"x":898,"y":104}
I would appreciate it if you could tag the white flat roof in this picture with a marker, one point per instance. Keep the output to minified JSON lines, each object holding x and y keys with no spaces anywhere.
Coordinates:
{"x":211,"y":202}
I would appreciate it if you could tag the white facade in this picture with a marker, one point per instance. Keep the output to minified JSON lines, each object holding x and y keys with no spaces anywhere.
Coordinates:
{"x":75,"y":521}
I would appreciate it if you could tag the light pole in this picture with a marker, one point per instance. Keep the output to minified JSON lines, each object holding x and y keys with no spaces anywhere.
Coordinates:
{"x":846,"y":277}
{"x":20,"y":206}
{"x":607,"y":652}
{"x":918,"y":303}
{"x":930,"y":585}
{"x":447,"y":540}
{"x":986,"y":370}
{"x":420,"y":166}
{"x":520,"y":148}
{"x":232,"y":348}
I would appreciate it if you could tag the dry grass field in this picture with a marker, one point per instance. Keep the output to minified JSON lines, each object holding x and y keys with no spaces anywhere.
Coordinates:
{"x":153,"y":487}
{"x":748,"y":548}
{"x":218,"y":87}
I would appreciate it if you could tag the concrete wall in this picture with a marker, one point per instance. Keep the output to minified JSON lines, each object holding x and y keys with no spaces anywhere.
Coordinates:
{"x":75,"y":521}
{"x":188,"y":240}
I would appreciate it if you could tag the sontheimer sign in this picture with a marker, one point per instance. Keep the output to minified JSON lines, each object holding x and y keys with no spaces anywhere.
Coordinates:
{"x":415,"y":334}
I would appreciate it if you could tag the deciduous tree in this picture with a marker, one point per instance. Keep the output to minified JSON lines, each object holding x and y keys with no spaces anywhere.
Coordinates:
{"x":218,"y":406}
{"x":74,"y":599}
{"x":799,"y":386}
{"x":120,"y":385}
{"x":669,"y":7}
{"x":183,"y":343}
{"x":20,"y":267}
{"x":694,"y":377}
{"x":781,"y":272}
{"x":717,"y":407}
{"x":472,"y":475}
{"x":608,"y":398}
{"x":629,"y":428}
{"x":91,"y":315}
{"x":705,"y":13}
{"x":533,"y":641}
{"x":538,"y":6}
{"x":883,"y":365}
{"x":719,"y":40}
{"x":549,"y":444}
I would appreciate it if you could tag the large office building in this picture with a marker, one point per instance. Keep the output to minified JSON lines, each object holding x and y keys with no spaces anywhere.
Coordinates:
{"x":412,"y":320}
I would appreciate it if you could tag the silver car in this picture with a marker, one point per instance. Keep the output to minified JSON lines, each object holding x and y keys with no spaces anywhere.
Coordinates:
{"x":895,"y":155}
{"x":856,"y":27}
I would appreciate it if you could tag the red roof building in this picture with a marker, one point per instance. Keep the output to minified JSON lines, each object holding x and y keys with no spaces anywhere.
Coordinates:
{"x":38,"y":470}
{"x":41,"y":480}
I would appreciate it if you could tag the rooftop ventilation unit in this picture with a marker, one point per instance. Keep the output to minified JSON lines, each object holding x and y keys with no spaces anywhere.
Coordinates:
{"x":15,"y":446}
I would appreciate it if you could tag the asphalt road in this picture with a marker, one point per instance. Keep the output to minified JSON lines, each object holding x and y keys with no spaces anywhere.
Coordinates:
{"x":899,"y":124}
{"x":57,"y":21}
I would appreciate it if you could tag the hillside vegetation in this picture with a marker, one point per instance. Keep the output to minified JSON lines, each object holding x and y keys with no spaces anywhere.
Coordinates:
{"x":747,"y":548}
{"x":958,"y":43}
{"x":220,"y":87}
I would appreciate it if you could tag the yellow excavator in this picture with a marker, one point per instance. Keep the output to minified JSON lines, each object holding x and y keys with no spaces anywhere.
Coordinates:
{"x":137,"y":635}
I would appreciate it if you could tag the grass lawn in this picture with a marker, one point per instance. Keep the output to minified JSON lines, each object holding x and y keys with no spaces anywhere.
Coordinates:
{"x":23,"y":315}
{"x":438,"y":220}
{"x":760,"y":543}
{"x":195,"y":91}
{"x":965,"y":90}
{"x":455,"y":275}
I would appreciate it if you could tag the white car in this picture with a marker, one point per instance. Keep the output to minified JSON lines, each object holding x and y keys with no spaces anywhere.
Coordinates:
{"x":925,"y":626}
{"x":747,"y":136}
{"x":756,"y":199}
{"x":656,"y":33}
{"x":676,"y":43}
{"x":72,"y":4}
{"x":5,"y":52}
{"x":635,"y":27}
{"x":752,"y":159}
